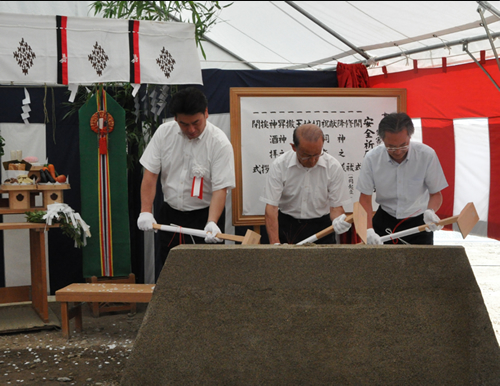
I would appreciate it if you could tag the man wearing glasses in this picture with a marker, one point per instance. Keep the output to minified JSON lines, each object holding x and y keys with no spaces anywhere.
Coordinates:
{"x":407,"y":178}
{"x":305,"y":191}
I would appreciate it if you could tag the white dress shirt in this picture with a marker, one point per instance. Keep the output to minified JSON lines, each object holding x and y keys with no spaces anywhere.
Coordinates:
{"x":305,"y":193}
{"x":402,"y":190}
{"x":179,"y":159}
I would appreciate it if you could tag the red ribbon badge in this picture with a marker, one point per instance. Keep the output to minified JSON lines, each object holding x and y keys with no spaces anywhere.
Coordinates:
{"x":197,"y":188}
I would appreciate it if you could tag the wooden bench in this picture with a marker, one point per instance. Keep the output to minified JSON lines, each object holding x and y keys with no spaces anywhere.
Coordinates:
{"x":79,"y":293}
{"x":98,"y":307}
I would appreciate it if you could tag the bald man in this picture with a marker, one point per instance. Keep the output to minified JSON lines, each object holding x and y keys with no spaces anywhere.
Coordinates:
{"x":305,"y":191}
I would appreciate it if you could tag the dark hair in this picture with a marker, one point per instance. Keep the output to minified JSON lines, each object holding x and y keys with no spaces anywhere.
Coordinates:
{"x":395,"y":123}
{"x":309,"y":132}
{"x":189,"y":101}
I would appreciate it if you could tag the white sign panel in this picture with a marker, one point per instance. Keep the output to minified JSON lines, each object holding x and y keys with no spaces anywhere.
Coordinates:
{"x":349,"y":124}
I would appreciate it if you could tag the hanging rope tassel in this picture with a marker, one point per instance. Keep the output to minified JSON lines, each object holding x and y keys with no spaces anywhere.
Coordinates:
{"x":103,"y":144}
{"x":395,"y":241}
{"x":181,"y":238}
{"x":102,"y":123}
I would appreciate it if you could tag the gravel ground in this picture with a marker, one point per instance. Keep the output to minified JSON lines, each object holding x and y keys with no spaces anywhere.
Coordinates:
{"x":96,"y":356}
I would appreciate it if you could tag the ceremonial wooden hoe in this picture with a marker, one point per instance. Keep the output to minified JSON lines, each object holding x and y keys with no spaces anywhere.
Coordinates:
{"x":250,"y":237}
{"x":466,"y":220}
{"x":358,"y":217}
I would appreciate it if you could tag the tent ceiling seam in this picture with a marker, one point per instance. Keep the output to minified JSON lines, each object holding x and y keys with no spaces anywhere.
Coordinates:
{"x":406,"y":53}
{"x":227,"y":51}
{"x":303,"y":25}
{"x":438,"y":46}
{"x":397,"y":43}
{"x":329,"y":30}
{"x":431,"y":35}
{"x":376,"y":20}
{"x":249,"y":37}
{"x":211,"y":41}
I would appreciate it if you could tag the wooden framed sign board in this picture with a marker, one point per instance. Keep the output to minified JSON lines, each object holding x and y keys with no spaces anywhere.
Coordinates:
{"x":262,"y":125}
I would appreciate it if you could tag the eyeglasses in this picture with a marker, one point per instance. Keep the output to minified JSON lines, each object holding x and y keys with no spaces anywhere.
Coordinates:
{"x":402,"y":148}
{"x":310,"y":157}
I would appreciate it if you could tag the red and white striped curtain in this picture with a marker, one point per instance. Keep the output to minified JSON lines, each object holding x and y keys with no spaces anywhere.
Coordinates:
{"x":456,"y":111}
{"x":466,"y":149}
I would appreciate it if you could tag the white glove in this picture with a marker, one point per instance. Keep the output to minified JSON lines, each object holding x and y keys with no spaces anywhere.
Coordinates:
{"x":430,"y":218}
{"x":339,"y":225}
{"x":145,"y":221}
{"x":372,"y":238}
{"x":212,"y":229}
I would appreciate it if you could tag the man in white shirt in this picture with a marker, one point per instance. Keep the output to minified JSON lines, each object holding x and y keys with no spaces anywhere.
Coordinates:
{"x":196,"y":162}
{"x":305,"y":191}
{"x":407,"y":178}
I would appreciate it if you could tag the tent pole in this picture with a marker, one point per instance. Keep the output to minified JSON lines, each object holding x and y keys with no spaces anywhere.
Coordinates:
{"x":414,"y":51}
{"x":489,"y":7}
{"x":240,"y":59}
{"x":480,"y":9}
{"x":479,"y":64}
{"x":330,"y":31}
{"x":437,"y":46}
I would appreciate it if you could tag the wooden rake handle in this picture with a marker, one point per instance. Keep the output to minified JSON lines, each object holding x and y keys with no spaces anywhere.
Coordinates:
{"x":443,"y":222}
{"x":325,"y":232}
{"x":466,"y":220}
{"x":195,"y":232}
{"x":358,"y":217}
{"x":250,"y":238}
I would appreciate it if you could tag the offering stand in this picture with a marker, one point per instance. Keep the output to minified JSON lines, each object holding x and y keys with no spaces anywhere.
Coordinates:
{"x":22,"y":199}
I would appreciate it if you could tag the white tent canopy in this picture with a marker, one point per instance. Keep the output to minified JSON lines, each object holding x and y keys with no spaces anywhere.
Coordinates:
{"x":316,"y":35}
